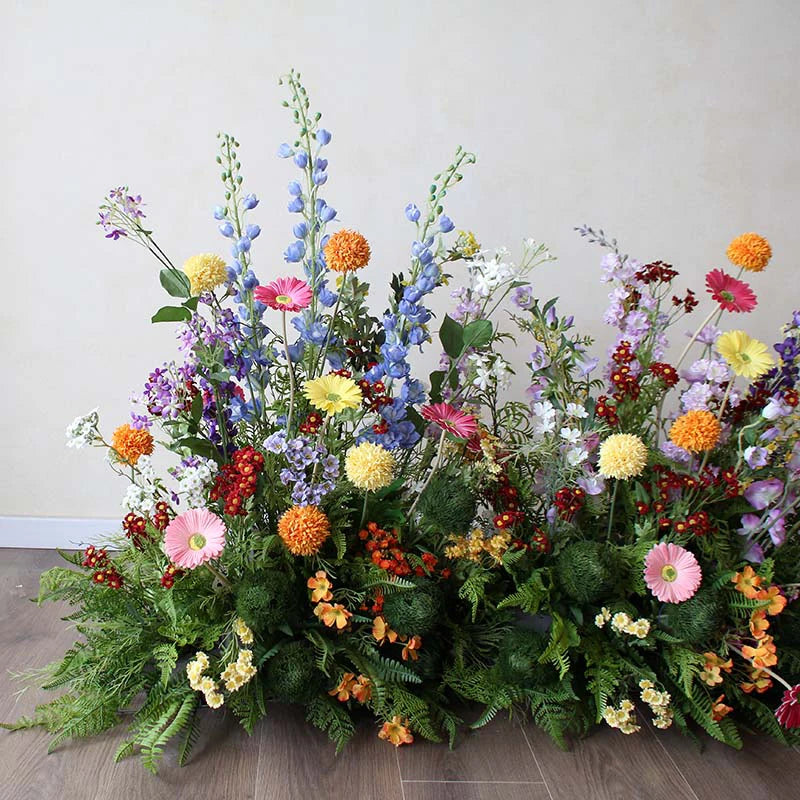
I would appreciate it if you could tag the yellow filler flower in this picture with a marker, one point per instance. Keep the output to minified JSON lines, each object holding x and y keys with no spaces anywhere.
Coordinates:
{"x":695,"y":431}
{"x":369,"y":466}
{"x":205,"y":272}
{"x":622,"y":456}
{"x":750,"y":251}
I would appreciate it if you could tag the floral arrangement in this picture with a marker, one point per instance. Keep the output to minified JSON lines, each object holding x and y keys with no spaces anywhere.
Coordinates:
{"x":338,"y":532}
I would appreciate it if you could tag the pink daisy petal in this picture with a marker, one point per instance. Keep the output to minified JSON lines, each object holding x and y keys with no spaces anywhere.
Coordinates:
{"x":731,"y":293}
{"x":451,"y":419}
{"x":284,"y":294}
{"x":194,"y":537}
{"x":671,"y":573}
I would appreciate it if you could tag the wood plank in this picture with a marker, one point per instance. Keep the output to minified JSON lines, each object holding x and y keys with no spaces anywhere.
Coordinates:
{"x":712,"y":771}
{"x":496,"y":752}
{"x":608,"y":765}
{"x":433,"y":790}
{"x":298,"y":761}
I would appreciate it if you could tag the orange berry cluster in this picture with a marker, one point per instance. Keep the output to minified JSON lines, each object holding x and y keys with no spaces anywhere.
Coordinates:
{"x":237,"y":481}
{"x":666,"y":373}
{"x":386,"y":553}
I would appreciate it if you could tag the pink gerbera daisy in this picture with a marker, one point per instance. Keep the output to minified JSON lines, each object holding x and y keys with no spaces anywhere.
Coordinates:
{"x":788,"y":713}
{"x":192,"y":538}
{"x":451,"y":419}
{"x":671,"y":573}
{"x":731,"y":293}
{"x":285,"y":294}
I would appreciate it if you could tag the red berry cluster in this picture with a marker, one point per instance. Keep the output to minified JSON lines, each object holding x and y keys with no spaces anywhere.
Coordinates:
{"x":92,"y":557}
{"x":625,"y":383}
{"x":237,"y":481}
{"x":603,"y":410}
{"x":375,"y":398}
{"x":689,"y":301}
{"x":161,"y":517}
{"x":104,"y":571}
{"x":135,"y":528}
{"x":312,"y":423}
{"x":386,"y":553}
{"x":541,"y":541}
{"x":656,"y":272}
{"x":569,"y":502}
{"x":666,"y":373}
{"x":508,"y":519}
{"x":170,"y":573}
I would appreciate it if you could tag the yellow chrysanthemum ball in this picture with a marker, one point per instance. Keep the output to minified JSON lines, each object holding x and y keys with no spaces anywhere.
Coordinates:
{"x":346,"y":251}
{"x":369,"y":466}
{"x":332,"y":393}
{"x":131,"y":444}
{"x":750,"y":251}
{"x":205,"y":272}
{"x":622,"y":456}
{"x":747,"y":357}
{"x":695,"y":431}
{"x":304,"y":529}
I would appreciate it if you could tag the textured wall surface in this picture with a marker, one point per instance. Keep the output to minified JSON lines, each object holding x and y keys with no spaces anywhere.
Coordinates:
{"x":672,"y":124}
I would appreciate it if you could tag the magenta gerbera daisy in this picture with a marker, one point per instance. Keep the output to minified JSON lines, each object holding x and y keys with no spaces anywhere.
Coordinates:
{"x":192,"y":538}
{"x":731,"y":293}
{"x":788,"y":713}
{"x":285,"y":294}
{"x":451,"y":419}
{"x":671,"y":573}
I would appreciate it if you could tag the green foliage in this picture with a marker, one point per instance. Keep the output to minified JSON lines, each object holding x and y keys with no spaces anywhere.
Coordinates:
{"x":697,"y":619}
{"x":448,"y":504}
{"x":267,"y":599}
{"x":414,"y":612}
{"x":291,"y":674}
{"x":330,"y":716}
{"x":582,"y":571}
{"x":474,"y":588}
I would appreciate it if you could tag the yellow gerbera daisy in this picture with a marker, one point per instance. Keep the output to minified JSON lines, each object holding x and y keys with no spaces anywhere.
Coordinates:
{"x":332,"y":393}
{"x":745,"y":356}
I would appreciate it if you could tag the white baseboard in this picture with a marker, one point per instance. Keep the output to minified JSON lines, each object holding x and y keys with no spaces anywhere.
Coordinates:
{"x":51,"y":532}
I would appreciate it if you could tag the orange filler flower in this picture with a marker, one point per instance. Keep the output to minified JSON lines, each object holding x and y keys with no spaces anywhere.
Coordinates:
{"x":304,"y":529}
{"x":750,"y":251}
{"x":396,"y":732}
{"x":346,"y":251}
{"x":131,"y":444}
{"x":320,"y":586}
{"x":695,"y":431}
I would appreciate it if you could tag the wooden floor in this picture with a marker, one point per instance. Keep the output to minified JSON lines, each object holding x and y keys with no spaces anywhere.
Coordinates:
{"x":285,"y":759}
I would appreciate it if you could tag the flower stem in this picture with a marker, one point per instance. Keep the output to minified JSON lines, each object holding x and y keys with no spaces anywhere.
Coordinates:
{"x":763,"y":669}
{"x":364,"y":511}
{"x":290,"y":368}
{"x":434,"y":467}
{"x":611,"y":509}
{"x":694,"y":336}
{"x":218,"y":575}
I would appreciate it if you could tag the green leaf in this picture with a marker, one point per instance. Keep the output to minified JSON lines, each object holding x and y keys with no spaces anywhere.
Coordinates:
{"x":437,"y":379}
{"x":478,"y":333}
{"x":200,"y":447}
{"x":191,"y":303}
{"x":451,"y":335}
{"x":197,"y":407}
{"x":171,"y":314}
{"x":175,"y":283}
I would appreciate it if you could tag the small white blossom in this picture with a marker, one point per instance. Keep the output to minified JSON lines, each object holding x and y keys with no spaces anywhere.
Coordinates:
{"x":571,"y":435}
{"x":82,"y":431}
{"x":576,"y":456}
{"x":577,"y":411}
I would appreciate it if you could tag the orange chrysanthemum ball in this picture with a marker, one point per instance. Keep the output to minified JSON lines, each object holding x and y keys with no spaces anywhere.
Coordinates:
{"x":131,"y":444}
{"x":750,"y":251}
{"x":304,"y":529}
{"x":347,"y":251}
{"x":695,"y":431}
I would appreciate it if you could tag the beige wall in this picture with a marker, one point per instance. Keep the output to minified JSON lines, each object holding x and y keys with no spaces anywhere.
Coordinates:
{"x":673,"y":124}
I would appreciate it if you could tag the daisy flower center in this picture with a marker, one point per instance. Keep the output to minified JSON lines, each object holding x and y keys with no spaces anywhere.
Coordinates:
{"x":745,"y":357}
{"x":333,"y":397}
{"x":669,"y":573}
{"x":726,"y":295}
{"x":197,"y":541}
{"x":283,"y":298}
